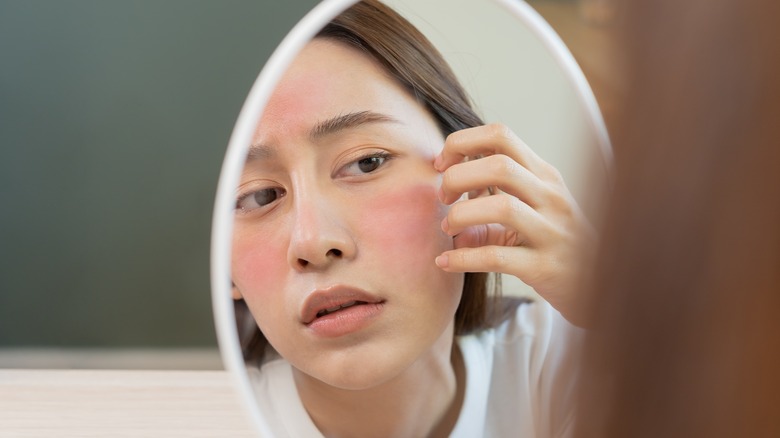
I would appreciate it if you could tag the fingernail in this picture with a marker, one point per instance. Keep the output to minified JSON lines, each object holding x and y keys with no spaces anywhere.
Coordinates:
{"x":442,"y":261}
{"x":437,"y":163}
{"x":445,"y":225}
{"x":440,"y":194}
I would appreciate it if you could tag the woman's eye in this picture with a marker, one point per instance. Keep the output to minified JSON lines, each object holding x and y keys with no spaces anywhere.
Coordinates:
{"x":366,"y":164}
{"x":370,"y":164}
{"x":259,"y":198}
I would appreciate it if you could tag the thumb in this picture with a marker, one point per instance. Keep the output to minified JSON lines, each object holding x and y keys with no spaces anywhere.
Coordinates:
{"x":471,"y":237}
{"x":481,"y":235}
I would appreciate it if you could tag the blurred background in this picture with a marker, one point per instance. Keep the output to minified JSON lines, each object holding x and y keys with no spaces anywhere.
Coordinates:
{"x":114,"y":117}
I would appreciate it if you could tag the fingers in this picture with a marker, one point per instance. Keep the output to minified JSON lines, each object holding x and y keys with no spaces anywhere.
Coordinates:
{"x":517,"y":218}
{"x":529,"y":227}
{"x":493,"y":171}
{"x":524,"y":263}
{"x":489,"y":140}
{"x":515,"y":261}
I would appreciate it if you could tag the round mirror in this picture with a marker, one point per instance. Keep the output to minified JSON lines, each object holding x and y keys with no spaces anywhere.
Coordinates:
{"x":328,"y":223}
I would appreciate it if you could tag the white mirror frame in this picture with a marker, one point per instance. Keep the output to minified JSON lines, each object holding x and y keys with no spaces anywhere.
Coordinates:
{"x":241,"y":138}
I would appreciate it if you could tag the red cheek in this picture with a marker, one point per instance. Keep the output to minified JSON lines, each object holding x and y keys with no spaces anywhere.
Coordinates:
{"x":259,"y":264}
{"x":406,"y":220}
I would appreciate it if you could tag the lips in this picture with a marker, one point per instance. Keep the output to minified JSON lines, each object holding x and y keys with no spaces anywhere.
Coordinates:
{"x":323,"y":302}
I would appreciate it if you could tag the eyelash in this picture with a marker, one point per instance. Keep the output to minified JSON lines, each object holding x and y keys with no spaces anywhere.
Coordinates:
{"x":280,"y":192}
{"x":383,"y":155}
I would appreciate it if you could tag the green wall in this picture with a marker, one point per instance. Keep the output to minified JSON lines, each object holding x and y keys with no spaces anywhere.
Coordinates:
{"x":114,"y":117}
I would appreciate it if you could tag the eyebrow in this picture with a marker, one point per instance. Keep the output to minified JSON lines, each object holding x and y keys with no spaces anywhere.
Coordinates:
{"x":325,"y":128}
{"x":347,"y":121}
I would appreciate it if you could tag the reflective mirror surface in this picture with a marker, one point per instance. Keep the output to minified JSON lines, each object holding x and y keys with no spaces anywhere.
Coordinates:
{"x":336,"y":202}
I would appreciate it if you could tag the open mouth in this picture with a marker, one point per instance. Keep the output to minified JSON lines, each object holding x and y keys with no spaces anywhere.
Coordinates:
{"x":338,"y":302}
{"x":324,"y":312}
{"x":345,"y":318}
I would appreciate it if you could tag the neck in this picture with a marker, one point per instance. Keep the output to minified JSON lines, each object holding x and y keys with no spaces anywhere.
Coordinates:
{"x":424,"y":400}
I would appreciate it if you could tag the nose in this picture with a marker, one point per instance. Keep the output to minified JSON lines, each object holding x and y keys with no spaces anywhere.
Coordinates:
{"x":320,"y":235}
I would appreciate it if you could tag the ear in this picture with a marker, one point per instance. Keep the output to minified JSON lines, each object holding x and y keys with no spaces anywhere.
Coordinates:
{"x":236,"y":294}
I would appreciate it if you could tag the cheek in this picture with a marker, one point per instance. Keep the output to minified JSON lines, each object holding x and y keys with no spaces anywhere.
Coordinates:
{"x":258,"y":265}
{"x":406,"y":222}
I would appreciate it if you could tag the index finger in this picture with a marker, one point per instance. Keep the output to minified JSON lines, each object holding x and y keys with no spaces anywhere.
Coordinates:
{"x":485,"y":140}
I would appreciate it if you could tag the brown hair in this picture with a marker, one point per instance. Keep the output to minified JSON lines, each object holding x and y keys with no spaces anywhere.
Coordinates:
{"x":687,"y":293}
{"x":408,"y":56}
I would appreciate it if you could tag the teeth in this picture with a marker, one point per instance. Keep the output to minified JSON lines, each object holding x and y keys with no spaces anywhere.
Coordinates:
{"x":333,"y":309}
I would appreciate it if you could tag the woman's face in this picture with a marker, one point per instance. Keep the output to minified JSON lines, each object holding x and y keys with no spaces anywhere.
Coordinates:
{"x":338,"y":206}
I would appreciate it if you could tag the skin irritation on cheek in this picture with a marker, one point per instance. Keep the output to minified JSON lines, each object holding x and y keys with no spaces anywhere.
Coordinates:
{"x":405,"y":218}
{"x":257,"y":261}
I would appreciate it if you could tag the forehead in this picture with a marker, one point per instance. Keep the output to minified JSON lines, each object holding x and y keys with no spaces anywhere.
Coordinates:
{"x":328,"y":79}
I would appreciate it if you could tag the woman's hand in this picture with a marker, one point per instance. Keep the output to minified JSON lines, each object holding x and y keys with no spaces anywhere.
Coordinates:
{"x":519,"y":218}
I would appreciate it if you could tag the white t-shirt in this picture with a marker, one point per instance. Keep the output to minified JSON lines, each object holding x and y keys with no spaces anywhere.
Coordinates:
{"x":520,"y":381}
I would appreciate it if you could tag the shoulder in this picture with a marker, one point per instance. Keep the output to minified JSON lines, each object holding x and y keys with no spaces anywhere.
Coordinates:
{"x":278,"y":402}
{"x":530,"y":358}
{"x":522,"y":320}
{"x":530,"y":344}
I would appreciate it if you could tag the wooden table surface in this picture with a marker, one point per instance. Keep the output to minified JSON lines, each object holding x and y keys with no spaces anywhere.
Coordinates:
{"x":114,"y":403}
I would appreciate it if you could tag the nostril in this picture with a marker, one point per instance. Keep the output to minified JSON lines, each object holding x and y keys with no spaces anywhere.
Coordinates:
{"x":332,"y":255}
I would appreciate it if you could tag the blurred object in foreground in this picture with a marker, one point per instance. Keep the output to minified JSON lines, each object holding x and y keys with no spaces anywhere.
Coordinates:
{"x":598,"y":12}
{"x":686,"y":335}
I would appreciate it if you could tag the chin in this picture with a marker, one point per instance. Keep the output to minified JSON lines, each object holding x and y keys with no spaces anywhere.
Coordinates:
{"x":359,"y":374}
{"x":357,"y":369}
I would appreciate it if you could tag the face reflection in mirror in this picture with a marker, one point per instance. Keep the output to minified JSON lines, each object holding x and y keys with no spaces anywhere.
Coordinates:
{"x":343,"y":314}
{"x":338,"y":205}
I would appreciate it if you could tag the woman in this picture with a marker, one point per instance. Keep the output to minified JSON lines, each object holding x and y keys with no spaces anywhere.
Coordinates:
{"x":358,"y":265}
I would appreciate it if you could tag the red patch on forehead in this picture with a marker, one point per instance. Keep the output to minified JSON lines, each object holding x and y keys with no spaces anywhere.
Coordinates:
{"x":325,"y":80}
{"x":292,"y":110}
